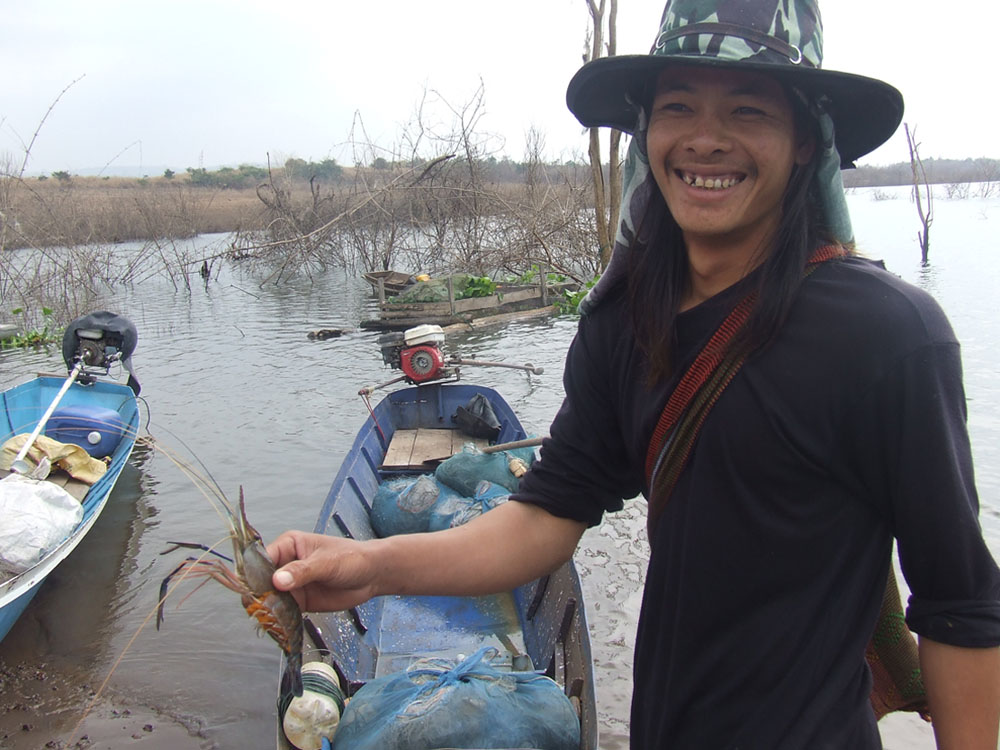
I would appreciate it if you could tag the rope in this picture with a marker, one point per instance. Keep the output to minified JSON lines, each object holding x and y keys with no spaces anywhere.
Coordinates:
{"x":317,"y":683}
{"x":371,"y":411}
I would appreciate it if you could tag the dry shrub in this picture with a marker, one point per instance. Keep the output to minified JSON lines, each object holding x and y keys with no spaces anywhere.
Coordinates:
{"x":436,"y":202}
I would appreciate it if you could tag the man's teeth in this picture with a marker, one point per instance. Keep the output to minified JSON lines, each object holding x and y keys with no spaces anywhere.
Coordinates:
{"x":711,"y":183}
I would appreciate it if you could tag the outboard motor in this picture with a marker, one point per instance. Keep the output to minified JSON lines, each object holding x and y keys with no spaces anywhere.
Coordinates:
{"x":417,"y":352}
{"x":98,"y":341}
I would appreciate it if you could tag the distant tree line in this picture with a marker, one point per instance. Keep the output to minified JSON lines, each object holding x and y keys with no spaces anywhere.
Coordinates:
{"x":939,"y":172}
{"x":328,"y":171}
{"x":508,"y":171}
{"x":244,"y":176}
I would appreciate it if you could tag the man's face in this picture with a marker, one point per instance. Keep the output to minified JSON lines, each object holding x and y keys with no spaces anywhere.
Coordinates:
{"x":721,"y":147}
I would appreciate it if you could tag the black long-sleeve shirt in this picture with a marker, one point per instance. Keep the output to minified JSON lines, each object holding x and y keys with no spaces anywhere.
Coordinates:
{"x":769,"y":563}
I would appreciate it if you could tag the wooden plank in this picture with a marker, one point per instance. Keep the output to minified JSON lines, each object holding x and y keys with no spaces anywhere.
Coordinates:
{"x":432,"y":445}
{"x":501,"y":319}
{"x":74,"y":487}
{"x":478,"y":442}
{"x":400,"y":448}
{"x":470,"y":304}
{"x":459,"y":439}
{"x":402,"y":308}
{"x":423,"y":449}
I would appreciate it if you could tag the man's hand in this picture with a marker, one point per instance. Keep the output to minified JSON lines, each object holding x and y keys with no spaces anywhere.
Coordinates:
{"x":323,"y":573}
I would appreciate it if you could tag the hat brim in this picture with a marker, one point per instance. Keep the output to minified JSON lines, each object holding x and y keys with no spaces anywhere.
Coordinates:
{"x":865,"y":111}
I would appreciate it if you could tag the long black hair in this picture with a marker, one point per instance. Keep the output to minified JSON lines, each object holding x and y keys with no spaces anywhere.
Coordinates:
{"x":658,"y":273}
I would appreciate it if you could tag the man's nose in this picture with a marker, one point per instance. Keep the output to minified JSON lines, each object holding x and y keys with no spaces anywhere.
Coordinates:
{"x":708,"y":134}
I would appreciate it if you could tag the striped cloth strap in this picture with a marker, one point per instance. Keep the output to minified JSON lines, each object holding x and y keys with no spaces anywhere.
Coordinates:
{"x":698,"y":390}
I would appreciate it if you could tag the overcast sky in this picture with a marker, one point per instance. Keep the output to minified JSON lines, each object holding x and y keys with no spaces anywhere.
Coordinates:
{"x":188,"y":83}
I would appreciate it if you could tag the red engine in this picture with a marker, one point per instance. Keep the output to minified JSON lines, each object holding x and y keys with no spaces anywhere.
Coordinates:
{"x":421,"y":363}
{"x":417,"y":352}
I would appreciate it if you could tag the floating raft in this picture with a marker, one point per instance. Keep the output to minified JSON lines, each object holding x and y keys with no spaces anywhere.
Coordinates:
{"x":396,"y":314}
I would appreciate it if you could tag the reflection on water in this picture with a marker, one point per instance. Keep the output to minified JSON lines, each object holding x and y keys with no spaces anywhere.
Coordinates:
{"x":235,"y":387}
{"x":927,"y":278}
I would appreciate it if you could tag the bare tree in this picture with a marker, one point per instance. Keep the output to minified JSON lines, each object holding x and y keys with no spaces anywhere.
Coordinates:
{"x":607,"y":197}
{"x":920,"y":184}
{"x":438,"y":201}
{"x":988,"y":174}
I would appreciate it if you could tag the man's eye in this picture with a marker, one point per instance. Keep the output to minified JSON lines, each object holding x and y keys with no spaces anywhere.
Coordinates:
{"x":673,"y":107}
{"x":749,"y":111}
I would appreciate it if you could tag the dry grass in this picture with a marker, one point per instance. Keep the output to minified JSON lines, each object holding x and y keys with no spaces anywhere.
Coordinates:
{"x":85,"y":210}
{"x":446,"y":215}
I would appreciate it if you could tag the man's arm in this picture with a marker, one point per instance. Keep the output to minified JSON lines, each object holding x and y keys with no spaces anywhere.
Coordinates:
{"x":963,"y":692}
{"x":510,"y":545}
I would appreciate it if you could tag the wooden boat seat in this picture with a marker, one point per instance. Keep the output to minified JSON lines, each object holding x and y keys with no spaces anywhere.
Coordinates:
{"x":74,"y":487}
{"x":423,"y":449}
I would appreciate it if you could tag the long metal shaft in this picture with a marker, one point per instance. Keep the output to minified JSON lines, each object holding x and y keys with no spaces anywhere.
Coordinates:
{"x":20,"y":465}
{"x":527,"y":366}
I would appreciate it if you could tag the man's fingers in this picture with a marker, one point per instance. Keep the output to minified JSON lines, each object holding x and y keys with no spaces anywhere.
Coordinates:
{"x":289,"y":546}
{"x":296,"y":574}
{"x":282,"y":549}
{"x":283,"y":579}
{"x":299,"y":561}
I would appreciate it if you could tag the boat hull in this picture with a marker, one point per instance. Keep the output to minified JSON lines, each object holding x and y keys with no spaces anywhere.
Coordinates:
{"x":543,"y":620}
{"x":22,"y":407}
{"x":10,"y":613}
{"x":389,"y":282}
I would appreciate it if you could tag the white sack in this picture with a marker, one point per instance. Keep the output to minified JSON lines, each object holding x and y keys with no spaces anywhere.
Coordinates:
{"x":35,"y":517}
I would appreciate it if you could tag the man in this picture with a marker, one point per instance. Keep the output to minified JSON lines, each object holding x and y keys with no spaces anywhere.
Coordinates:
{"x":842,"y":427}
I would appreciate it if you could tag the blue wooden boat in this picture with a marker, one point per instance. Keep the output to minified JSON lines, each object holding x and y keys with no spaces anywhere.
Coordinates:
{"x":26,"y":405}
{"x":543,"y":621}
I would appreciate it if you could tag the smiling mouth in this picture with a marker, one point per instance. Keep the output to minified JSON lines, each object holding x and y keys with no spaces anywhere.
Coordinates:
{"x":711,"y":183}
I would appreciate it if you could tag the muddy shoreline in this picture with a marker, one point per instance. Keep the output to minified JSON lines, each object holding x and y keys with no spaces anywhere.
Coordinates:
{"x":41,"y":706}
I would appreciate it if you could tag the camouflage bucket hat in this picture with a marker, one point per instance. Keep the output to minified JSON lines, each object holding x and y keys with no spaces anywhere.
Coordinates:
{"x":783,"y":38}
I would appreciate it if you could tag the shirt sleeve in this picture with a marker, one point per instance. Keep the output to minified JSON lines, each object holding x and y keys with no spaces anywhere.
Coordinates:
{"x":918,"y":460}
{"x":583,"y":468}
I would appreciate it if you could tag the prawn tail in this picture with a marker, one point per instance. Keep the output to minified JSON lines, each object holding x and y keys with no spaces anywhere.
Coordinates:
{"x":291,"y":679}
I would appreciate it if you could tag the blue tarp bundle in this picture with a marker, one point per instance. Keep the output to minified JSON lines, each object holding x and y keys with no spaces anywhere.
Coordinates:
{"x":454,"y":511}
{"x":464,"y":471}
{"x":437,"y":704}
{"x":464,"y":486}
{"x":404,"y":506}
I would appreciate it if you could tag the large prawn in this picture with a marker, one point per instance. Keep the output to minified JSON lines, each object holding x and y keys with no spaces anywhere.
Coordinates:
{"x":274,"y":612}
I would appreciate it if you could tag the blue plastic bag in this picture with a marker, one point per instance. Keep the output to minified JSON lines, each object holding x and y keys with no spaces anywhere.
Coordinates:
{"x":449,"y":512}
{"x":465,"y":470}
{"x":404,"y":506}
{"x":437,"y":704}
